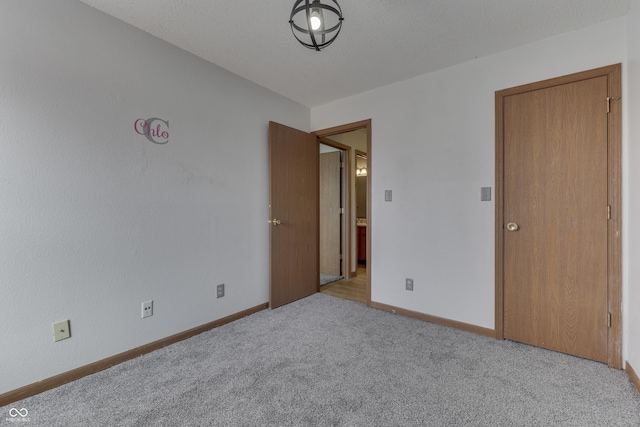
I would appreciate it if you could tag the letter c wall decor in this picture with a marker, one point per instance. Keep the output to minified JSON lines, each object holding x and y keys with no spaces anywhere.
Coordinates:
{"x":154,"y":129}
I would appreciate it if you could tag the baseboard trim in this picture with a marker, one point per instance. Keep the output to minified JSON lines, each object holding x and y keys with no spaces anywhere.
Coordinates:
{"x":632,"y":375}
{"x":75,"y":374}
{"x":434,"y":319}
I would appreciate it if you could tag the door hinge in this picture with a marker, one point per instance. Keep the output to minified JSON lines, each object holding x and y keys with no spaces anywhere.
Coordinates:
{"x":609,"y":212}
{"x":341,"y":211}
{"x":611,"y":98}
{"x":609,"y":320}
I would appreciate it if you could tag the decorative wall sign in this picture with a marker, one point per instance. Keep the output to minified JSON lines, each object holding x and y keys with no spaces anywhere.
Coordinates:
{"x":154,"y":129}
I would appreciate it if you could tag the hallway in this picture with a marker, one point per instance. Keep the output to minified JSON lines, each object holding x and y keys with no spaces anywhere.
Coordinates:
{"x":354,"y":289}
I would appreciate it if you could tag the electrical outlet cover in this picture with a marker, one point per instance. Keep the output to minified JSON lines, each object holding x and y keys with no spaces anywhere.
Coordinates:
{"x":409,"y":284}
{"x":147,"y":309}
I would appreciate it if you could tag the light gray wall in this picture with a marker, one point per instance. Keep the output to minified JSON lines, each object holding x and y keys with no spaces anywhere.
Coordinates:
{"x":631,"y":239}
{"x":433,"y":144}
{"x":95,"y":218}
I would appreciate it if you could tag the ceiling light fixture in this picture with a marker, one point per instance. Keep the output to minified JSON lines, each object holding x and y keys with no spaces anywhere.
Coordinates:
{"x":316,"y":23}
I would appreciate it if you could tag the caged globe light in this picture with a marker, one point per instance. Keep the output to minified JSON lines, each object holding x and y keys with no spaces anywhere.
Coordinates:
{"x":316,"y":23}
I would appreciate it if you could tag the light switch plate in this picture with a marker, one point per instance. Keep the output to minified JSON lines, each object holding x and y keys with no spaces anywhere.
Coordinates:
{"x":485,"y":194}
{"x":387,"y":195}
{"x":61,"y":330}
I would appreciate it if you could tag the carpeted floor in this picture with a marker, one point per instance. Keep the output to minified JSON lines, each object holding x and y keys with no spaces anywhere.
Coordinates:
{"x":324,"y":361}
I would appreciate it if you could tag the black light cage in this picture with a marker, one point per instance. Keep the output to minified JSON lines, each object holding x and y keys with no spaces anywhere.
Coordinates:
{"x":322,"y":37}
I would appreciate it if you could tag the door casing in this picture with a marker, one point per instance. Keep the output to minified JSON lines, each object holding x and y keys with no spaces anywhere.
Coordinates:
{"x":614,"y":184}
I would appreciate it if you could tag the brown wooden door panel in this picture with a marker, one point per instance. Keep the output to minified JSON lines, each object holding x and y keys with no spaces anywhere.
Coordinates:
{"x":555,"y":189}
{"x":294,"y":201}
{"x":330,"y":218}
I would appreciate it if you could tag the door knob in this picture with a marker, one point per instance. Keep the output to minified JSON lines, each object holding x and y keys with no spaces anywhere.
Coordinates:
{"x":275,"y":222}
{"x":512,"y":226}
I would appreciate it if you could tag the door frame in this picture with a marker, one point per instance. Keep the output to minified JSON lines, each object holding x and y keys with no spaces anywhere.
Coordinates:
{"x":614,"y":226}
{"x":325,"y":133}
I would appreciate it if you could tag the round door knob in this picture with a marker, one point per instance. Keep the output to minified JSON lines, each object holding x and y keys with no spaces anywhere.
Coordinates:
{"x":512,"y":226}
{"x":275,"y":222}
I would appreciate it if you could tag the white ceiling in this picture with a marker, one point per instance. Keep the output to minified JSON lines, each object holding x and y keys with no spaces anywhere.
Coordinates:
{"x":381,"y":42}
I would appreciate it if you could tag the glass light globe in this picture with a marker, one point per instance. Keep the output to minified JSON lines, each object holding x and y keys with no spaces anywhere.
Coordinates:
{"x":315,"y":22}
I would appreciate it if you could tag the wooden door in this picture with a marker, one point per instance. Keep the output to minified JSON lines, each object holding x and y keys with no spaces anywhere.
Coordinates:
{"x":330,"y":214}
{"x":555,"y":213}
{"x":293,"y":210}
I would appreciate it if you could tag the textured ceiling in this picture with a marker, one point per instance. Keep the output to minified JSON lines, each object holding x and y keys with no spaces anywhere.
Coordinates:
{"x":381,"y":41}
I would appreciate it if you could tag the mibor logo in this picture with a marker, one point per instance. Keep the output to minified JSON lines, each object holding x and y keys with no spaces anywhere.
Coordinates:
{"x":13,"y":412}
{"x":154,"y":129}
{"x":18,"y":415}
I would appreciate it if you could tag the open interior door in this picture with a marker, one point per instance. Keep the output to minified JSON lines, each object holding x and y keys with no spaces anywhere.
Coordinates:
{"x":330,"y":213}
{"x":294,"y":215}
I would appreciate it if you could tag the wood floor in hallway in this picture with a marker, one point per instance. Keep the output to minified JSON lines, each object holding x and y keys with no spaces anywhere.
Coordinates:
{"x":354,"y":289}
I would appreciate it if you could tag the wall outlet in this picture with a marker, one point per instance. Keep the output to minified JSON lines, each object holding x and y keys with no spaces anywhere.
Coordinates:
{"x":61,"y":330}
{"x":220,"y":291}
{"x":409,"y":284}
{"x":147,"y":309}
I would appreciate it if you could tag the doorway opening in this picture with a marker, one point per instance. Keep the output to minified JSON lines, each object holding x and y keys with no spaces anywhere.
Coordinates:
{"x":353,"y":142}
